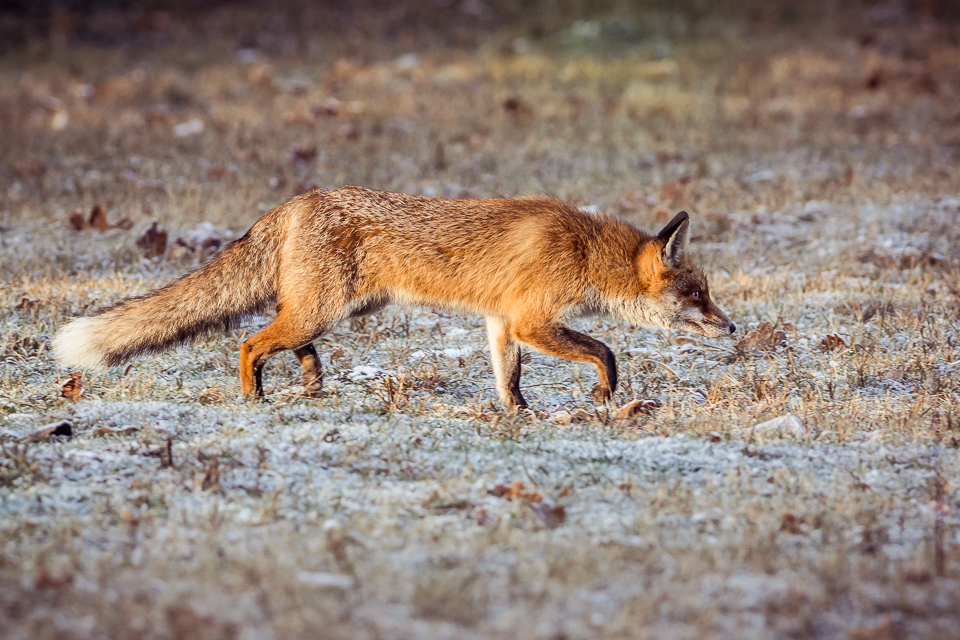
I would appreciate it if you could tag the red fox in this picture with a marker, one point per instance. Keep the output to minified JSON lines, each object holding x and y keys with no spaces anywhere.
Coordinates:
{"x":526,"y":264}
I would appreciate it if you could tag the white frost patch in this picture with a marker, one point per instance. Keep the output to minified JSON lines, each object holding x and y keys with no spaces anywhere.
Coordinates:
{"x":323,"y":579}
{"x":450,"y":352}
{"x":365,"y":372}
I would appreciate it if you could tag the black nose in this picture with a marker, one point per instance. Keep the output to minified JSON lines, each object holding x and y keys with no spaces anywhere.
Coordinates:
{"x":733,"y":328}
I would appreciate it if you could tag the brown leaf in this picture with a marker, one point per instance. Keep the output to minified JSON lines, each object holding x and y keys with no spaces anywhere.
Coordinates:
{"x":153,"y":242}
{"x":26,"y":304}
{"x":515,"y":491}
{"x":302,"y":155}
{"x":894,"y":374}
{"x":832,"y":341}
{"x":482,"y":517}
{"x":124,"y":223}
{"x":98,"y":218}
{"x":552,"y":516}
{"x":72,"y":389}
{"x":336,"y":354}
{"x":635,"y":408}
{"x":517,"y":106}
{"x":762,"y":338}
{"x":62,"y":428}
{"x":46,"y":580}
{"x":76,"y":221}
{"x":790,"y":523}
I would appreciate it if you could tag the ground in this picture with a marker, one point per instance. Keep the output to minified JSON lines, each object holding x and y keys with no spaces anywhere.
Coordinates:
{"x":817,"y":154}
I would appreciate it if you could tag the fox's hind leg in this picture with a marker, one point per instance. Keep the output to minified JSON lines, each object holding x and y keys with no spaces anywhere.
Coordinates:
{"x":293,"y":329}
{"x":505,"y":357}
{"x":557,"y":340}
{"x":312,"y":373}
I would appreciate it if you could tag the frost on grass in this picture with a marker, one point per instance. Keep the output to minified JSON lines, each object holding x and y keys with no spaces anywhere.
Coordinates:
{"x":804,"y":485}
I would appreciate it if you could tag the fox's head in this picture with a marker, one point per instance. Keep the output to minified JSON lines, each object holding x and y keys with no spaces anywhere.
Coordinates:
{"x":678,"y":296}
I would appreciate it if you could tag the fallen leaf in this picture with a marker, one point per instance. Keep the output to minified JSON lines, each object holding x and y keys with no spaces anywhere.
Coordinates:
{"x":482,"y":517}
{"x":76,"y":221}
{"x":552,"y":516}
{"x":894,"y":374}
{"x":635,"y":408}
{"x":72,"y":389}
{"x":62,"y":428}
{"x":98,"y":218}
{"x":26,"y":304}
{"x":763,"y":338}
{"x":302,"y":155}
{"x":517,"y":106}
{"x":515,"y":491}
{"x":790,"y":523}
{"x":153,"y":242}
{"x":832,"y":341}
{"x":45,"y":580}
{"x":336,"y":354}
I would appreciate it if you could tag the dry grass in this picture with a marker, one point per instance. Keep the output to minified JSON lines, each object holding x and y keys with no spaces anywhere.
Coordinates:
{"x":818,"y":159}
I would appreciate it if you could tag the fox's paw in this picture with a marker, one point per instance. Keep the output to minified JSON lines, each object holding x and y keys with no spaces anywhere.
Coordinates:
{"x":313,"y":387}
{"x":601,"y":393}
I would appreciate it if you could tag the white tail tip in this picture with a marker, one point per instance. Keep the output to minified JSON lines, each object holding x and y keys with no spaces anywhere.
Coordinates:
{"x":76,"y":344}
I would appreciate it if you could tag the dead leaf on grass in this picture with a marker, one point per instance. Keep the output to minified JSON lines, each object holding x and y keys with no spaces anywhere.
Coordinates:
{"x":97,"y":221}
{"x":26,"y":304}
{"x":831,"y":342}
{"x":551,"y":516}
{"x":763,"y":338}
{"x":515,"y":491}
{"x":517,"y":106}
{"x":636,"y":408}
{"x":303,"y":155}
{"x":790,"y":523}
{"x":153,"y":242}
{"x":894,"y":374}
{"x":72,"y":389}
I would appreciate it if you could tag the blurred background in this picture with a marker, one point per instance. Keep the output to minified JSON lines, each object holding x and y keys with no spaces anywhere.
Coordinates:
{"x":172,"y":111}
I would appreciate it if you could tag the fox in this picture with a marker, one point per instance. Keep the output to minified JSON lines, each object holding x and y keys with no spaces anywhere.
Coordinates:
{"x":527,"y":264}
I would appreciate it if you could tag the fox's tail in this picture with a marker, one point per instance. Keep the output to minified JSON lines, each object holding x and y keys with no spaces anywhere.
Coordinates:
{"x":240,"y":281}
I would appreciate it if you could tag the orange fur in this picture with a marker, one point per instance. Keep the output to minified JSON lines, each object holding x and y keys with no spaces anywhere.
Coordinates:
{"x":527,"y":264}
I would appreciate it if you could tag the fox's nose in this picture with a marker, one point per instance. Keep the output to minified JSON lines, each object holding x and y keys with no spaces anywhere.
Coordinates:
{"x":733,"y":328}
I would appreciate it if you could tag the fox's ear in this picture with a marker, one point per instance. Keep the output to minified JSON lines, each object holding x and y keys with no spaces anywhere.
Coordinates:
{"x":674,"y":238}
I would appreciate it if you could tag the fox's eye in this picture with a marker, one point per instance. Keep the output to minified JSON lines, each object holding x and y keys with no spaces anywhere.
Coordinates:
{"x":695,"y":294}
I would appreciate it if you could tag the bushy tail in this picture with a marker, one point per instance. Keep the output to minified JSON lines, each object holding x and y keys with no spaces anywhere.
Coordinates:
{"x":239,"y":281}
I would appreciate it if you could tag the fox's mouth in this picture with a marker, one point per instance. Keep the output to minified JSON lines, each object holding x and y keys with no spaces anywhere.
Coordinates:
{"x":707,"y":330}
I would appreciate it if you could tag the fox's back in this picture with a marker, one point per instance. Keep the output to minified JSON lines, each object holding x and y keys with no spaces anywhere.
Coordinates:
{"x":481,"y":253}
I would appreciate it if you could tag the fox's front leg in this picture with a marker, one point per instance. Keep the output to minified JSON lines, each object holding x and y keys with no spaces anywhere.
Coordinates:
{"x":557,"y":340}
{"x":505,"y":357}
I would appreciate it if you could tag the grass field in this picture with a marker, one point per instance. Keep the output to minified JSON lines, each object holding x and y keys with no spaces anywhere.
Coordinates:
{"x":817,"y":154}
